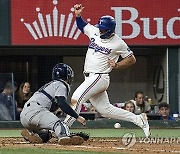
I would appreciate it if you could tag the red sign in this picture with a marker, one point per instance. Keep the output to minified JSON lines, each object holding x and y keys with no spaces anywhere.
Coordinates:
{"x":52,"y":22}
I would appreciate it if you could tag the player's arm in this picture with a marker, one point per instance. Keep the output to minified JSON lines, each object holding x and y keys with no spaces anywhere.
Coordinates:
{"x":78,"y":8}
{"x":62,"y":102}
{"x":125,"y":63}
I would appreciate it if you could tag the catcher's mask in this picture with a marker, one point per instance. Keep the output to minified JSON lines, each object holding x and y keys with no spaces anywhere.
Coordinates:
{"x":64,"y":72}
{"x":106,"y":25}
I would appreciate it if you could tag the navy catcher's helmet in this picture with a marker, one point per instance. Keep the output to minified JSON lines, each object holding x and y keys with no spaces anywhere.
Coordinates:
{"x":64,"y":72}
{"x":106,"y":23}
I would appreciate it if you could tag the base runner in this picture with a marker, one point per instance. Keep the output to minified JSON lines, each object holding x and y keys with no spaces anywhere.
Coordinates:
{"x":102,"y":56}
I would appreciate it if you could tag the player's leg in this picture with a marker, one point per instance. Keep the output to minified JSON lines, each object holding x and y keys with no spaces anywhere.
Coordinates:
{"x":48,"y":120}
{"x":44,"y":119}
{"x":90,"y":87}
{"x":28,"y":133}
{"x":103,"y":106}
{"x":40,"y":118}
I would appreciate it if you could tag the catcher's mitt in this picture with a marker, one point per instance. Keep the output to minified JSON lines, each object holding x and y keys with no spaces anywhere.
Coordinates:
{"x":84,"y":135}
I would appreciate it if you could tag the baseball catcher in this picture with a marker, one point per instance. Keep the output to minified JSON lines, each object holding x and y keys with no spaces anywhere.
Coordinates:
{"x":37,"y":118}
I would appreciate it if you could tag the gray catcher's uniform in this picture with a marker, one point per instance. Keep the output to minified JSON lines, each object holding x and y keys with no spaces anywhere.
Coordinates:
{"x":36,"y":113}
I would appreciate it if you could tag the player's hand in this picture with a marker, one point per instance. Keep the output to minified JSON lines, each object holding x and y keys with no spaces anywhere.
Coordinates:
{"x":78,"y":8}
{"x":112,"y":63}
{"x":81,"y":120}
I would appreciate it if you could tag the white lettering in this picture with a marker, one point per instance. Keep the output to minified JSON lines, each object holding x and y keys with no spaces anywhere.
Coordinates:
{"x":166,"y":140}
{"x":119,"y":21}
{"x":169,"y":28}
{"x":132,"y":21}
{"x":172,"y":140}
{"x":140,"y":139}
{"x":159,"y":140}
{"x":178,"y":140}
{"x":153,"y":140}
{"x":147,"y":140}
{"x":146,"y":27}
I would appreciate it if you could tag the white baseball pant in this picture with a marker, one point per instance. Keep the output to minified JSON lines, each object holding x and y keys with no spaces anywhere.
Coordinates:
{"x":94,"y":89}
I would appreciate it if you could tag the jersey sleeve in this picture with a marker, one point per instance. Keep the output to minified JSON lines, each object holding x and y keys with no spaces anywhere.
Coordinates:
{"x":123,"y":50}
{"x":90,"y":30}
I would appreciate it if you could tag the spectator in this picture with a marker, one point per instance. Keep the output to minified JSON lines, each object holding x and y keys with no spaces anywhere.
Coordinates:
{"x":164,"y":112}
{"x":22,"y":96}
{"x":129,"y":106}
{"x":7,"y":106}
{"x":141,"y":106}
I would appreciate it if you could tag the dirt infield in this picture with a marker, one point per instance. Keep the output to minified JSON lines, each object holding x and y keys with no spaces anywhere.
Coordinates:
{"x":102,"y":145}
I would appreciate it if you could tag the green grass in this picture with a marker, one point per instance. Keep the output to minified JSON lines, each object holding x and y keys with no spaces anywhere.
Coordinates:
{"x":45,"y":151}
{"x":107,"y":132}
{"x":93,"y":133}
{"x":10,"y":133}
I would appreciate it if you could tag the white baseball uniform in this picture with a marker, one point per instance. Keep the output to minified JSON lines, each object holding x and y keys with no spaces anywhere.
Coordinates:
{"x":97,"y":79}
{"x":36,"y":113}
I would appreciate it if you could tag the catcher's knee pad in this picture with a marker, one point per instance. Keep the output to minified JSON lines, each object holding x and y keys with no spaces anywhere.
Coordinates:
{"x":64,"y":129}
{"x":61,"y":129}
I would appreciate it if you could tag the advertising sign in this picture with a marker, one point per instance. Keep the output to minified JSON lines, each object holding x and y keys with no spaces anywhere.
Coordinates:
{"x":52,"y":22}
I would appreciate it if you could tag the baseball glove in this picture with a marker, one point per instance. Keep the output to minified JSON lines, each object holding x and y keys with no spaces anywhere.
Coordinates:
{"x":84,"y":135}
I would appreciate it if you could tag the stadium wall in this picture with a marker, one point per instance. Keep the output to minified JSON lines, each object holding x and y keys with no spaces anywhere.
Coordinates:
{"x":16,"y":51}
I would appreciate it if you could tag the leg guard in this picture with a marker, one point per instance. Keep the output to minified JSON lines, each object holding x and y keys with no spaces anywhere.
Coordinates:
{"x":61,"y":129}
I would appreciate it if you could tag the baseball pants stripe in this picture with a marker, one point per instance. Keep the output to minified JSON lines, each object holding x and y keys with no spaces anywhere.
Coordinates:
{"x":84,"y":93}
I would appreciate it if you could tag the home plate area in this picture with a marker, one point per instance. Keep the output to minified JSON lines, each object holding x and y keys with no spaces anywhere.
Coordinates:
{"x":98,"y":145}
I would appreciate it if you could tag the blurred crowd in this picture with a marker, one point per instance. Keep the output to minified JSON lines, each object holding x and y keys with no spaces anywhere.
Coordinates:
{"x":13,"y":98}
{"x":22,"y":93}
{"x":139,"y":104}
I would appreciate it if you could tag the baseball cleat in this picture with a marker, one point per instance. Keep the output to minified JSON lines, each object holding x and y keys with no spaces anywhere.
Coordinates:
{"x":31,"y":137}
{"x":145,"y":125}
{"x":74,"y":140}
